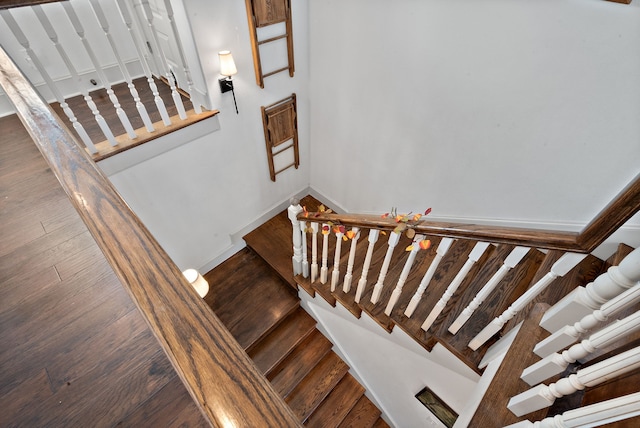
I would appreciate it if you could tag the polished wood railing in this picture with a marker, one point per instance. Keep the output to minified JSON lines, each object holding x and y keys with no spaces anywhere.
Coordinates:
{"x":217,"y":372}
{"x":614,"y":215}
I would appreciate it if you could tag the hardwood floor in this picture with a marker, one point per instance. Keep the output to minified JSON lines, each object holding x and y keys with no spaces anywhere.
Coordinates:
{"x":75,"y":351}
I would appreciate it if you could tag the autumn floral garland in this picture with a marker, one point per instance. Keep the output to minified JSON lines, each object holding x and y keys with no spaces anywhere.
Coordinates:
{"x":405,"y":223}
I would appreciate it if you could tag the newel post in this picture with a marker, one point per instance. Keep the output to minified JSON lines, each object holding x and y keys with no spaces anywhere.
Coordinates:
{"x":293,"y":211}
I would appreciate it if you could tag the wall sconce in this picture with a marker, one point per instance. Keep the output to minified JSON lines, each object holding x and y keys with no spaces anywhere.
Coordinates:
{"x":228,"y":69}
{"x":197,"y":281}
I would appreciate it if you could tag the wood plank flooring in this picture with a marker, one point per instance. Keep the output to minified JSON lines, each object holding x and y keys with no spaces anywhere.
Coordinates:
{"x":74,"y":349}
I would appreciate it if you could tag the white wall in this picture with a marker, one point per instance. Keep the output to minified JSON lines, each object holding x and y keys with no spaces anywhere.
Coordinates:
{"x":196,"y":197}
{"x":511,"y":110}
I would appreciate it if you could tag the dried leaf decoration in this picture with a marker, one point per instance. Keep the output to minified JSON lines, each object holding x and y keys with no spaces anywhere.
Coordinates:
{"x":409,"y":248}
{"x":425,"y":244}
{"x":427,"y":211}
{"x":400,"y":228}
{"x":350,"y":234}
{"x":411,"y":233}
{"x":325,"y":229}
{"x":305,"y":212}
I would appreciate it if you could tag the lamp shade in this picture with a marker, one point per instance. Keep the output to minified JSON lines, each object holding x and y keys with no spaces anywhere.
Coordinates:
{"x":197,"y":281}
{"x":227,"y":66}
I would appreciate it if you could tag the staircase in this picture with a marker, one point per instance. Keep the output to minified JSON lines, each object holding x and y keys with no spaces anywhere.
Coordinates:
{"x":263,"y":314}
{"x":268,"y":241}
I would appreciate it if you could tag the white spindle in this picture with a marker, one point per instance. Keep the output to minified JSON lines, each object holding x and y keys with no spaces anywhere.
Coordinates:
{"x":362,"y":283}
{"x":74,"y":74}
{"x":348,"y":276}
{"x":560,"y":268}
{"x":377,"y":289}
{"x":570,"y":333}
{"x":593,"y":415}
{"x":556,"y":363}
{"x":293,"y":211}
{"x":183,"y":60}
{"x":510,"y":262}
{"x":24,"y":42}
{"x":324,"y":270}
{"x":104,"y":24}
{"x":305,"y":260}
{"x":443,"y":247}
{"x":583,"y":300}
{"x":314,"y":252}
{"x":335,"y":274}
{"x":123,"y":6}
{"x":397,"y":291}
{"x":543,"y":396}
{"x":167,"y":71}
{"x":46,"y":24}
{"x":474,"y":256}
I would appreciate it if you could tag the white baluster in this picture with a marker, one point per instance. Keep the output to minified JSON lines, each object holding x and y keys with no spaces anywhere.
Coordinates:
{"x":556,"y":363}
{"x":305,"y":260}
{"x":104,"y":23}
{"x":397,"y":291}
{"x":583,"y":300}
{"x":510,"y":262}
{"x":324,"y":270}
{"x":80,"y":31}
{"x":474,"y":256}
{"x":314,"y":252}
{"x":167,"y":71}
{"x":593,"y":415}
{"x":346,"y":286}
{"x":293,"y":211}
{"x":560,"y":268}
{"x":335,"y":274}
{"x":362,"y":283}
{"x":377,"y":289}
{"x":126,"y":16}
{"x":543,"y":396}
{"x":570,"y":333}
{"x":24,"y":42}
{"x":187,"y":72}
{"x":443,"y":247}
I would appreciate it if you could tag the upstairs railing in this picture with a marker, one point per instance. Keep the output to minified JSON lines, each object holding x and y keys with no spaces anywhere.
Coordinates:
{"x":217,"y":372}
{"x":104,"y":141}
{"x":508,"y":273}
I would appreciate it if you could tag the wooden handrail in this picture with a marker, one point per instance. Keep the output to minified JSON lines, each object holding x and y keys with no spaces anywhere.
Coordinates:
{"x":217,"y":372}
{"x":618,"y":212}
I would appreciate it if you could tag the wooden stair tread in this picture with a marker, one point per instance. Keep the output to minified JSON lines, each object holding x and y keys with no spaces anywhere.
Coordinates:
{"x":380,"y":423}
{"x":248,"y":296}
{"x":363,"y":415}
{"x":299,"y":363}
{"x":272,"y":241}
{"x":316,"y":385}
{"x":448,"y":268}
{"x":271,"y":350}
{"x":515,"y":282}
{"x":338,"y":404}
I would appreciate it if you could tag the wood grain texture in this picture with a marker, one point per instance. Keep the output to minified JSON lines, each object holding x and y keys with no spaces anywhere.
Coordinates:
{"x":75,"y":351}
{"x":362,"y":415}
{"x":338,"y":404}
{"x":218,"y":374}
